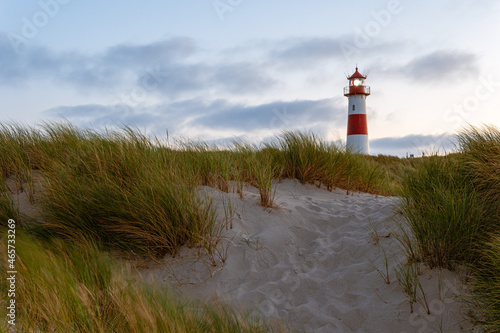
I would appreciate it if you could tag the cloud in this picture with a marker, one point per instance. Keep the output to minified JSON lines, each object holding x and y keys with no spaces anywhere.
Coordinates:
{"x":441,"y":65}
{"x":275,"y":115}
{"x":122,"y":68}
{"x":316,"y":51}
{"x":413,"y":144}
{"x":125,"y":67}
{"x":243,"y":77}
{"x":299,"y":50}
{"x":170,"y":50}
{"x":100,"y":117}
{"x":233,"y":78}
{"x":116,"y":64}
{"x":198,"y":114}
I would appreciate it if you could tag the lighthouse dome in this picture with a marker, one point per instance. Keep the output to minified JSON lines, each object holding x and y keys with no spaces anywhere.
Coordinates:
{"x":357,"y":85}
{"x":356,"y":75}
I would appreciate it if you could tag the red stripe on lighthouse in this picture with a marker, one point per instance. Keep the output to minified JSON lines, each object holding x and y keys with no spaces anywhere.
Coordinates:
{"x":357,"y":124}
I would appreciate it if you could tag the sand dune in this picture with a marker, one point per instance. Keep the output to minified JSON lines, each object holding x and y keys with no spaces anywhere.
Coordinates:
{"x":312,"y":263}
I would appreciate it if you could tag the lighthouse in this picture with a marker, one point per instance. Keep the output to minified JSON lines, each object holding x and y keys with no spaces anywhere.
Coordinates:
{"x":357,"y":125}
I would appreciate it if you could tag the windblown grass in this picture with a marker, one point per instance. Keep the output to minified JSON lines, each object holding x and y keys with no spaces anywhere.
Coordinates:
{"x":395,"y":170}
{"x":7,"y":207}
{"x":487,"y":285}
{"x":207,"y":165}
{"x":452,"y":209}
{"x":481,"y":151}
{"x":264,"y":171}
{"x":443,"y":211}
{"x":133,"y":193}
{"x":310,"y":160}
{"x":119,"y":190}
{"x":62,"y":287}
{"x":122,"y":190}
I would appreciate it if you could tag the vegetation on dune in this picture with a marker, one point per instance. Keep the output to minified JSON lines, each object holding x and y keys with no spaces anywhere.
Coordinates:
{"x":310,"y":160}
{"x":63,"y":287}
{"x":443,"y":210}
{"x":481,"y":156}
{"x":7,"y":207}
{"x":486,"y":282}
{"x":124,"y":191}
{"x":451,"y":206}
{"x":481,"y":151}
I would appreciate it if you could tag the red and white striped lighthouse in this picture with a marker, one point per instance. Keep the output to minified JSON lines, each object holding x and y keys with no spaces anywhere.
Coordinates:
{"x":357,"y":125}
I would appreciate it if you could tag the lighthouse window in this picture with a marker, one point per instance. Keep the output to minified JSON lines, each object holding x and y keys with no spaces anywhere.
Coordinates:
{"x":353,"y":128}
{"x":353,"y":107}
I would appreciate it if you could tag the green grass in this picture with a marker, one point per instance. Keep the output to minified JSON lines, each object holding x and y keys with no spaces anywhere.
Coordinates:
{"x":309,"y":159}
{"x":487,"y":285}
{"x":114,"y":190}
{"x":122,"y":194}
{"x":7,"y":207}
{"x":481,"y":151}
{"x":122,"y":190}
{"x":395,"y":170}
{"x":451,"y":206}
{"x":62,"y":287}
{"x":443,"y":211}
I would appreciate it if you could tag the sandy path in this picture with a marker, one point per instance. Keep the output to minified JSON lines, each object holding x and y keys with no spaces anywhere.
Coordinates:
{"x":313,"y":264}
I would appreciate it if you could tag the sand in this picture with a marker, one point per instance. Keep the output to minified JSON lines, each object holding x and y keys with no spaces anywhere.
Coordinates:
{"x":314,"y":264}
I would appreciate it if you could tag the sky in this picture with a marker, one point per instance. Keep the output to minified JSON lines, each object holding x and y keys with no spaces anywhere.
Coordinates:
{"x":220,"y":70}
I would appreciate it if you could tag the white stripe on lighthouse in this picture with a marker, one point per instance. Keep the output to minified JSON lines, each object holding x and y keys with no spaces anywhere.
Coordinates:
{"x":359,"y":103}
{"x":358,"y":143}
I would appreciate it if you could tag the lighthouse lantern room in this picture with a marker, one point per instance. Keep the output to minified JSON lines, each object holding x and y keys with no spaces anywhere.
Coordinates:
{"x":357,"y":125}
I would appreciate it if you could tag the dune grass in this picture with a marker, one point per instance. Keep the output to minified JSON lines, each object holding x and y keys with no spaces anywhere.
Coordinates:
{"x":481,"y":152}
{"x":487,"y":284}
{"x":120,"y":190}
{"x":117,"y":188}
{"x":7,"y":207}
{"x":451,"y":203}
{"x":481,"y":149}
{"x":309,"y":159}
{"x":264,"y":171}
{"x":120,"y":193}
{"x":443,"y":211}
{"x":451,"y":206}
{"x":63,"y":287}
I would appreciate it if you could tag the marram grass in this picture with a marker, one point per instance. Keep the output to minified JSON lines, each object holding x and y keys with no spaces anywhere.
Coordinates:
{"x":443,"y":211}
{"x":487,"y":285}
{"x":311,"y":160}
{"x":123,"y":190}
{"x":451,"y":206}
{"x":62,"y":287}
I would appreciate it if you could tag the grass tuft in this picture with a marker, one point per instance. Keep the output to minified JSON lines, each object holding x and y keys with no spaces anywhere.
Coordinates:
{"x":443,"y":211}
{"x":77,"y":288}
{"x":451,"y":208}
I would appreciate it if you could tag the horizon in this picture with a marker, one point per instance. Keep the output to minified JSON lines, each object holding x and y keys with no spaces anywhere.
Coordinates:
{"x":234,"y":69}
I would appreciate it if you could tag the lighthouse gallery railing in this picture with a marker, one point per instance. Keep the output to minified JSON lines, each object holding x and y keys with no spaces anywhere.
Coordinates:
{"x":366,"y":90}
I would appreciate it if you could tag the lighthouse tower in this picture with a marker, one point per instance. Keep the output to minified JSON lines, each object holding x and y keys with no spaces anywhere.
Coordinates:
{"x":357,"y":126}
